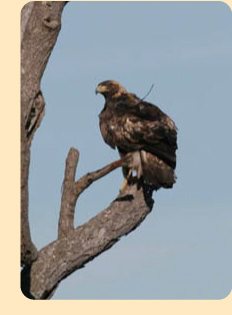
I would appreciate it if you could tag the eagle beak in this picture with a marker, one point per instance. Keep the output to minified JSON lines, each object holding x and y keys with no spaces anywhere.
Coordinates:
{"x":101,"y":89}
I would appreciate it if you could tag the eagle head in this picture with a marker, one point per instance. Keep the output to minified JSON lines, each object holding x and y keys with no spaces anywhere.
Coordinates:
{"x":110,"y":88}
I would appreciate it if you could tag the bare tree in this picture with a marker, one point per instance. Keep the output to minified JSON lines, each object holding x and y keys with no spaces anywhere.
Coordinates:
{"x":43,"y":270}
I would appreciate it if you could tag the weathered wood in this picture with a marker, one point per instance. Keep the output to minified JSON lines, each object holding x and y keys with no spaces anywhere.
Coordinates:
{"x":40,"y":26}
{"x":69,"y":197}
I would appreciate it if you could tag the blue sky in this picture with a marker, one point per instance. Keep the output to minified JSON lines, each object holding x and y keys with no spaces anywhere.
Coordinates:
{"x":183,"y":248}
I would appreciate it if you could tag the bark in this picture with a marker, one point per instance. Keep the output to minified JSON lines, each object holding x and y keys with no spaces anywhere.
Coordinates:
{"x":40,"y":26}
{"x":74,"y":247}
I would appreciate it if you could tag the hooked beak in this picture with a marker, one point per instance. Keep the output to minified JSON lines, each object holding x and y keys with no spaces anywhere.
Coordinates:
{"x":101,"y":89}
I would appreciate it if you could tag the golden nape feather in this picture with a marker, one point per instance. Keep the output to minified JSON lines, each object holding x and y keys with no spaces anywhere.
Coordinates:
{"x":141,"y":129}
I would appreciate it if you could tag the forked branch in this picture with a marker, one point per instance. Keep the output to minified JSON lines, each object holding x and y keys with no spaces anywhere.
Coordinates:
{"x":72,"y":189}
{"x":74,"y":248}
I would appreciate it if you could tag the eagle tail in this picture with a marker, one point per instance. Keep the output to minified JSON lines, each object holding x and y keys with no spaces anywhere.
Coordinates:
{"x":156,"y":172}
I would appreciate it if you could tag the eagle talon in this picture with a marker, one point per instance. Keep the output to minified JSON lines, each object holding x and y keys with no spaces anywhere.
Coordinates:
{"x":127,"y":180}
{"x":124,"y":185}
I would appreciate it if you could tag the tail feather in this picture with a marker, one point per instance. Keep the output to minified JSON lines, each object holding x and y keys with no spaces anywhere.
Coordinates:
{"x":156,"y":172}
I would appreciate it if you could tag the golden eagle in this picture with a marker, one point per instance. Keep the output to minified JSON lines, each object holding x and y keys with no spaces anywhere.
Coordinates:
{"x":141,"y":129}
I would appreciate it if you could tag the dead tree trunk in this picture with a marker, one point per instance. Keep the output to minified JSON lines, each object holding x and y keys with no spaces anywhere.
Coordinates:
{"x":44,"y":270}
{"x":40,"y":26}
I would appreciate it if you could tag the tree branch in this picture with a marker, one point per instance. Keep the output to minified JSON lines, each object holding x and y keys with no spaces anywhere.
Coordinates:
{"x":89,"y":178}
{"x":69,"y":198}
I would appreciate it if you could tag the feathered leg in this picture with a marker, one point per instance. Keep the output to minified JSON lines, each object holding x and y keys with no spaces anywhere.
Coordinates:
{"x":134,"y":164}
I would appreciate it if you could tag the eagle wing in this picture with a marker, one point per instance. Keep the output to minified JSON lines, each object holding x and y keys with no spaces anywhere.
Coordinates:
{"x":142,"y":126}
